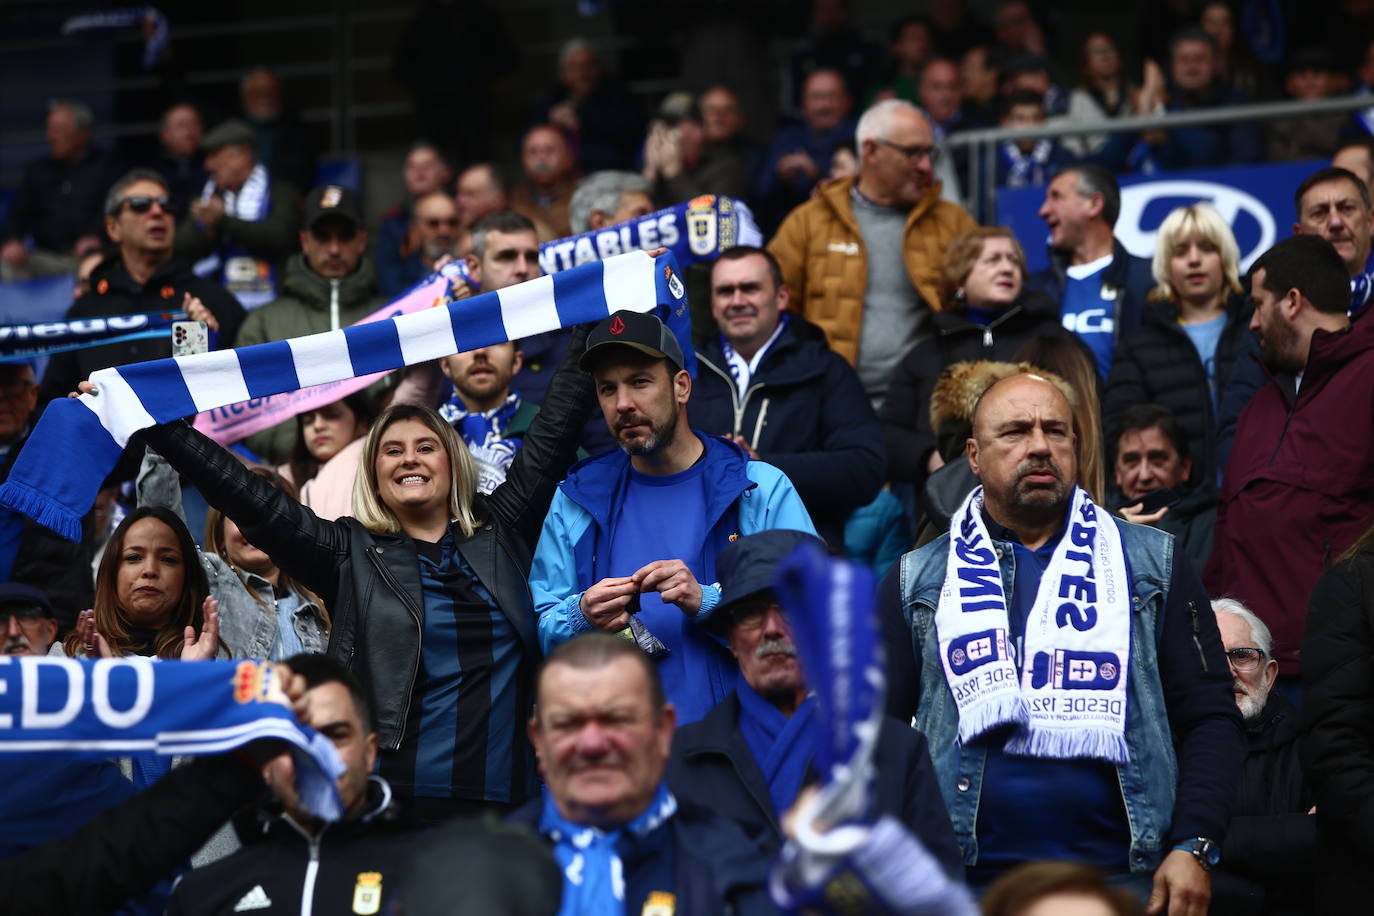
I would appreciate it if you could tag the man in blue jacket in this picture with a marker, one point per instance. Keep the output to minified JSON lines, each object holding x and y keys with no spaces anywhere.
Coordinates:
{"x":631,"y":538}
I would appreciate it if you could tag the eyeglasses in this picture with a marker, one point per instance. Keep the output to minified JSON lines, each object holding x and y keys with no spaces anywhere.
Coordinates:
{"x":911,"y":152}
{"x":27,"y":616}
{"x":142,"y":203}
{"x":751,"y":616}
{"x":1245,"y":658}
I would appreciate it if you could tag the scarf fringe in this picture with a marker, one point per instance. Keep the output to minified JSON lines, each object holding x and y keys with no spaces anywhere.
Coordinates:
{"x":41,"y":508}
{"x":1096,"y":743}
{"x":995,"y":713}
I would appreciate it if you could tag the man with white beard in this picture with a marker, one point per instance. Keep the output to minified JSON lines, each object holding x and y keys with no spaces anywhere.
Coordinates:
{"x":1267,"y":859}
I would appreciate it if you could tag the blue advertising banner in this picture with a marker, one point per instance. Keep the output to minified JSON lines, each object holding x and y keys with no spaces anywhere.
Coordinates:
{"x":1256,"y":201}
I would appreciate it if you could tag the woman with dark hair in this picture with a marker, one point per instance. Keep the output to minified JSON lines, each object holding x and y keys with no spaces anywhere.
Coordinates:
{"x":1102,"y":92}
{"x":324,"y":459}
{"x":151,"y":596}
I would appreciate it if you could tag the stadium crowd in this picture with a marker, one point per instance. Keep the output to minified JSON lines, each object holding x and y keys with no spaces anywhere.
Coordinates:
{"x":1120,"y":509}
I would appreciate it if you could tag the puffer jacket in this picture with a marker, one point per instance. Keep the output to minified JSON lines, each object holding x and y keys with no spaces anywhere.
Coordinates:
{"x":369,"y":580}
{"x":821,"y":251}
{"x":308,"y":304}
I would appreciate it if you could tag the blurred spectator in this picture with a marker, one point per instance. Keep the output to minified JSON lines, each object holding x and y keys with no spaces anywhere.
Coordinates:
{"x":425,"y":172}
{"x":547,"y":189}
{"x":872,"y":290}
{"x":481,"y":192}
{"x":1149,"y":454}
{"x":329,"y":285}
{"x":28,"y":619}
{"x":1026,"y":163}
{"x":954,"y":27}
{"x":329,"y":443}
{"x":769,"y":382}
{"x":1334,"y":204}
{"x":284,"y":144}
{"x":980,"y":72}
{"x":84,"y":267}
{"x":1280,"y":521}
{"x":599,"y":117}
{"x":244,"y":223}
{"x":723,"y":123}
{"x":434,"y":229}
{"x":987,"y":314}
{"x":1056,"y":888}
{"x":1099,"y":285}
{"x":140,"y":275}
{"x":1236,"y":65}
{"x":1102,"y":92}
{"x":801,"y":151}
{"x":606,"y":198}
{"x":1194,"y":333}
{"x":181,"y":161}
{"x":1270,"y":853}
{"x":1016,"y":29}
{"x":942,"y":99}
{"x":1031,"y":73}
{"x":835,"y":44}
{"x":1357,"y":157}
{"x":57,"y":208}
{"x":447,"y":44}
{"x":843,"y":162}
{"x":1360,"y":124}
{"x":679,"y":162}
{"x":1311,"y":77}
{"x":909,"y":49}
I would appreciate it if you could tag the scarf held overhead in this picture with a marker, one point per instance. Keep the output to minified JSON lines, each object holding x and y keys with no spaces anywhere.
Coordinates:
{"x":56,"y":491}
{"x":1068,"y":697}
{"x":123,"y":706}
{"x":22,"y":342}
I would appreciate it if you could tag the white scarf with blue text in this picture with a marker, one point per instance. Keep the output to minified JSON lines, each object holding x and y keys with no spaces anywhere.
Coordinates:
{"x":1067,"y":692}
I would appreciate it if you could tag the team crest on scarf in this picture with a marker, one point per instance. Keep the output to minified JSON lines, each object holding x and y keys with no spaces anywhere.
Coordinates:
{"x":701,"y":225}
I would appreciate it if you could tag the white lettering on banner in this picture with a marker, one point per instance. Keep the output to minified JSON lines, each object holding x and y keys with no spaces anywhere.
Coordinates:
{"x":1089,"y":321}
{"x":29,"y":716}
{"x":143,"y":692}
{"x":1229,"y":202}
{"x":71,"y":687}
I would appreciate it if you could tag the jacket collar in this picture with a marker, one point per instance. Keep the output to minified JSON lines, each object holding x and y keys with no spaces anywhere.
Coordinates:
{"x":313,"y":289}
{"x":1117,"y":271}
{"x":113,"y":270}
{"x":717,"y":734}
{"x":836,"y":195}
{"x":789,"y":360}
{"x":1030,"y":306}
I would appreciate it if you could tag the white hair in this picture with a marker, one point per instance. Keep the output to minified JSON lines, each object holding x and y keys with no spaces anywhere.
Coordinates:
{"x":1258,"y":631}
{"x":878,"y":119}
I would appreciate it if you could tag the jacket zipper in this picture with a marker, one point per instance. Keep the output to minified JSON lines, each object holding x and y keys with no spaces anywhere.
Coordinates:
{"x":334,"y":303}
{"x":373,"y":554}
{"x":758,"y":425}
{"x":739,"y":405}
{"x":1197,"y":632}
{"x":312,"y":868}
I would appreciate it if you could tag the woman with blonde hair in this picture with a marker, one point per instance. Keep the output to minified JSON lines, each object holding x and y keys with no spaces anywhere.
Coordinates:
{"x":1194,"y":333}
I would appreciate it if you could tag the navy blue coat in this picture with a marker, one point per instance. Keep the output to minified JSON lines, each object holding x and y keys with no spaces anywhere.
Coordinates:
{"x":712,"y":765}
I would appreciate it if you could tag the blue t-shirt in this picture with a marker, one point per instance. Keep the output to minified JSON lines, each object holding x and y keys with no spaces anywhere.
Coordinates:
{"x":1205,"y":337}
{"x":1033,"y":808}
{"x":663,"y":517}
{"x":1090,"y":313}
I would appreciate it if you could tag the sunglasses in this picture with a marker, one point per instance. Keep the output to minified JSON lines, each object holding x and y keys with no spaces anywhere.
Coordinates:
{"x":142,"y":203}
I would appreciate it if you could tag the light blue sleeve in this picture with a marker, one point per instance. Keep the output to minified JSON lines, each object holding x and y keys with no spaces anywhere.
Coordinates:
{"x":554,"y":577}
{"x":774,"y":503}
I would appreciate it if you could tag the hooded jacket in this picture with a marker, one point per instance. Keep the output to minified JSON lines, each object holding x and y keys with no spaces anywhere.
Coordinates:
{"x":805,"y":412}
{"x":821,"y":250}
{"x":1297,"y":489}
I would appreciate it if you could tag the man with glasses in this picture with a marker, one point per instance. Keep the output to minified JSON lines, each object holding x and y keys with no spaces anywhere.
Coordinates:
{"x":1267,"y":860}
{"x":27,"y":620}
{"x":141,"y":275}
{"x":331,"y":284}
{"x":863,"y":258}
{"x":434,"y":233}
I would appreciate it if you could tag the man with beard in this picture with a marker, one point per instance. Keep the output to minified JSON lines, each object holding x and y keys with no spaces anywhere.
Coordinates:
{"x":490,"y":417}
{"x":631,"y":538}
{"x":434,"y":230}
{"x":1073,"y":689}
{"x":1267,"y":863}
{"x":1296,"y":490}
{"x":1334,"y":203}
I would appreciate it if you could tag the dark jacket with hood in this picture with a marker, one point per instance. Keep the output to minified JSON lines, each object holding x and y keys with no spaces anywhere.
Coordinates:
{"x":370,"y":581}
{"x":805,"y":413}
{"x":1157,"y":364}
{"x":308,"y":304}
{"x":1128,"y":278}
{"x":115,"y":292}
{"x":1297,"y":488}
{"x":713,"y":766}
{"x":955,"y":339}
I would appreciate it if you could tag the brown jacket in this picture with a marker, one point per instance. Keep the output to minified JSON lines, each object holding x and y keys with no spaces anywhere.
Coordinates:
{"x":824,"y":262}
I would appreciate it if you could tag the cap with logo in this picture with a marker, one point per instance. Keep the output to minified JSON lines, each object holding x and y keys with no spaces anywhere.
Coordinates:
{"x":332,"y":201}
{"x":640,"y":331}
{"x":230,"y":133}
{"x":749,"y":565}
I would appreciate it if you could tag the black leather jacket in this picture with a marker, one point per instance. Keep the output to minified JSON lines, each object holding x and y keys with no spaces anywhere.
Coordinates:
{"x":370,"y":581}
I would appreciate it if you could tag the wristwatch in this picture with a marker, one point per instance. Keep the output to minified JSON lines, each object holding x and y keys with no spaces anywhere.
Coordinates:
{"x":1207,"y":853}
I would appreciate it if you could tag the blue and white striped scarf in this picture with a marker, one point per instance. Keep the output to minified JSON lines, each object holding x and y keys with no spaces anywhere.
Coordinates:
{"x":78,"y":441}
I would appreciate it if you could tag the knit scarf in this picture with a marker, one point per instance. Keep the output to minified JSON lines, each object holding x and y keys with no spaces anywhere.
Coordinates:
{"x":56,"y":491}
{"x":593,"y":875}
{"x":1071,"y":698}
{"x":1026,"y":170}
{"x":743,"y":369}
{"x":484,"y":433}
{"x":251,"y":279}
{"x":782,"y":746}
{"x":140,"y":706}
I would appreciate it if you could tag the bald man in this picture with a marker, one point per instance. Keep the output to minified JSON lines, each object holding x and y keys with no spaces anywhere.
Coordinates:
{"x":1071,"y":655}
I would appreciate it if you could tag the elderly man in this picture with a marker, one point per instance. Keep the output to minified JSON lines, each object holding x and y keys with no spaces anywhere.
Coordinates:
{"x":800,"y":154}
{"x":626,"y":844}
{"x":595,"y":111}
{"x":634,"y":533}
{"x":863,"y":257}
{"x":1152,"y":455}
{"x":1334,"y":203}
{"x":1073,"y":689}
{"x":434,"y":234}
{"x":180,"y":160}
{"x":424,"y":172}
{"x":244,"y":223}
{"x":481,"y":191}
{"x":751,"y":755}
{"x":27,"y":616}
{"x":546,"y":193}
{"x":606,"y":198}
{"x":1268,"y":859}
{"x":58,"y":206}
{"x":769,"y":382}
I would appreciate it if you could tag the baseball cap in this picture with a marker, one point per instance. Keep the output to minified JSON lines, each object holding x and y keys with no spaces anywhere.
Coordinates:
{"x":18,"y":593}
{"x":749,"y":565}
{"x":638,"y":330}
{"x":230,"y":133}
{"x":332,"y":200}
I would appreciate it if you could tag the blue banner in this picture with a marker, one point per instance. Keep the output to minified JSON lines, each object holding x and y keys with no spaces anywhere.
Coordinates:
{"x":1256,"y":202}
{"x":22,"y":342}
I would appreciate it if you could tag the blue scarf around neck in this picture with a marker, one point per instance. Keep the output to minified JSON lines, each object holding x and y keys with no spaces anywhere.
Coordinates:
{"x":783,"y":747}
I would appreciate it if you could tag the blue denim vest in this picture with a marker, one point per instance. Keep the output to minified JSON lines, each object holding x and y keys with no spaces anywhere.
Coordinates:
{"x":1148,"y":779}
